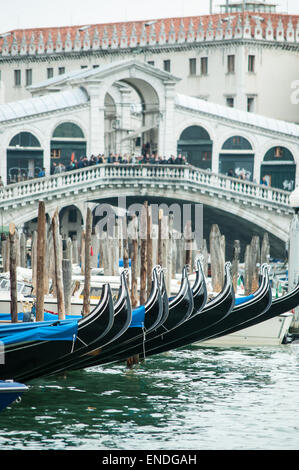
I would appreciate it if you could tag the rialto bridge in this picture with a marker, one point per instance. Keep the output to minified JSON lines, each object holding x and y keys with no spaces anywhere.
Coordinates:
{"x":248,"y":204}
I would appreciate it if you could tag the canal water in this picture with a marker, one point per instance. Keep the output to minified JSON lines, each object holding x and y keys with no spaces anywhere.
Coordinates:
{"x":198,"y":398}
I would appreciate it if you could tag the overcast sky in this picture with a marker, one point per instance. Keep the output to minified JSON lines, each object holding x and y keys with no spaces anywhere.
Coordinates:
{"x":40,"y":13}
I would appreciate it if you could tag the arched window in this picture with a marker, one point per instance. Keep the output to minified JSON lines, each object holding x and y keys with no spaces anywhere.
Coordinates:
{"x":195,"y":143}
{"x":68,"y":145}
{"x":194,"y":133}
{"x":278,"y":168}
{"x":68,"y":130}
{"x":236,"y":158}
{"x":236,"y":143}
{"x":24,"y":157}
{"x":24,"y":139}
{"x":278,"y":154}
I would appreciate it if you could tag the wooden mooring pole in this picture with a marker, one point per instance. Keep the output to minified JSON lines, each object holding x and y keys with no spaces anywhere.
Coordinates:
{"x":57,"y":245}
{"x":13,"y":274}
{"x":143,"y":254}
{"x":134,"y":256}
{"x":217,"y":254}
{"x":40,"y":261}
{"x":87,"y":270}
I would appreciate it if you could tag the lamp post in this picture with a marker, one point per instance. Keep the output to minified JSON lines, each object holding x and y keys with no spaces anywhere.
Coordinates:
{"x":293,"y":252}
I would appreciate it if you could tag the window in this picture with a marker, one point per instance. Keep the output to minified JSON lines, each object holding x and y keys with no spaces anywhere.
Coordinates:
{"x":251,"y":63}
{"x":28,"y":77}
{"x":17,"y":74}
{"x":68,"y":130}
{"x":192,"y":66}
{"x":95,"y":66}
{"x":230,"y":101}
{"x":151,"y":62}
{"x":24,"y":139}
{"x":61,"y":70}
{"x":250,"y":104}
{"x":83,"y":67}
{"x":55,"y":153}
{"x":204,"y":66}
{"x":230,"y":64}
{"x":278,"y":152}
{"x":166,"y":65}
{"x":50,"y":72}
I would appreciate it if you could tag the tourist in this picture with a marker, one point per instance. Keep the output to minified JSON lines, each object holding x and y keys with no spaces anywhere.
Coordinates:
{"x":42,"y":173}
{"x":264,"y":181}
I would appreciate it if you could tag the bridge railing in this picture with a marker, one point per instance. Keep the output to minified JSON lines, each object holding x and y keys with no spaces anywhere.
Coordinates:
{"x":129,"y":173}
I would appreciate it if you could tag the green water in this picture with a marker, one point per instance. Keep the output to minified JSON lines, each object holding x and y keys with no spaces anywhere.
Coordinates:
{"x":194,"y":398}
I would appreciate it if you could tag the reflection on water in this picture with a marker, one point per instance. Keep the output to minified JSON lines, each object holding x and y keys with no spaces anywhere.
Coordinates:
{"x":194,"y":398}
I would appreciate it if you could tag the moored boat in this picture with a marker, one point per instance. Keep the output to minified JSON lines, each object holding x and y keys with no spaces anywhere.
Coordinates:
{"x":10,"y":391}
{"x":40,"y":344}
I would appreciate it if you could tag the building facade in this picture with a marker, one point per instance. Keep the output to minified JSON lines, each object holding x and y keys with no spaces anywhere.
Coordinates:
{"x":241,"y":59}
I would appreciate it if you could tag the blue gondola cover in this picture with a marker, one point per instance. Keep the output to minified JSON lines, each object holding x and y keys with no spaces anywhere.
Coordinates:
{"x":242,"y":300}
{"x":61,"y":331}
{"x":138,"y":317}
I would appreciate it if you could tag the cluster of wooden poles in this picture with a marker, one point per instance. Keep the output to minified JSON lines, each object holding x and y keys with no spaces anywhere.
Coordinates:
{"x":140,"y":244}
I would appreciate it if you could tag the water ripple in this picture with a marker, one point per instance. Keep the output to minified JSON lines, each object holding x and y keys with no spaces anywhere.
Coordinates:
{"x":193,"y":398}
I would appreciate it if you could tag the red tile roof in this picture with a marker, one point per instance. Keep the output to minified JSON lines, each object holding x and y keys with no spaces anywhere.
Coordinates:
{"x":110,"y":27}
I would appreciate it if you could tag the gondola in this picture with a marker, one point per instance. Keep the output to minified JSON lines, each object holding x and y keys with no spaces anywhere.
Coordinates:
{"x":25,"y":352}
{"x":279,"y":306}
{"x":215,"y":310}
{"x":121,"y":322}
{"x":198,"y":294}
{"x":136,"y":333}
{"x":257,"y":304}
{"x":152,"y":312}
{"x":180,"y":309}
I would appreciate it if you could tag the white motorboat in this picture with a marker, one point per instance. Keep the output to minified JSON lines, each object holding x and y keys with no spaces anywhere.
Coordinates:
{"x":268,"y":333}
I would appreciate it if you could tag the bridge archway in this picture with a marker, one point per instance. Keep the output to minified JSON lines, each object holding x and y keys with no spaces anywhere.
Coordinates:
{"x":237,"y":157}
{"x":195,"y":143}
{"x":135,"y":128}
{"x":24,"y":157}
{"x":278,"y":168}
{"x":155,"y":91}
{"x":67,"y":140}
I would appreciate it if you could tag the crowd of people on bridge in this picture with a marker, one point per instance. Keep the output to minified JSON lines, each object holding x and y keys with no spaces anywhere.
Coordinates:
{"x":116,"y":159}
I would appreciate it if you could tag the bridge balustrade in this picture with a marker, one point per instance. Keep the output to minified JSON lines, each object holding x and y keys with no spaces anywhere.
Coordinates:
{"x":125,"y":174}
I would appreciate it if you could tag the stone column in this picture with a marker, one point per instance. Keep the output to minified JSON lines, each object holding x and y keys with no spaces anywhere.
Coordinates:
{"x":96,"y":120}
{"x":47,"y":157}
{"x":167,"y":145}
{"x":125,"y":146}
{"x":216,"y":149}
{"x":258,"y":160}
